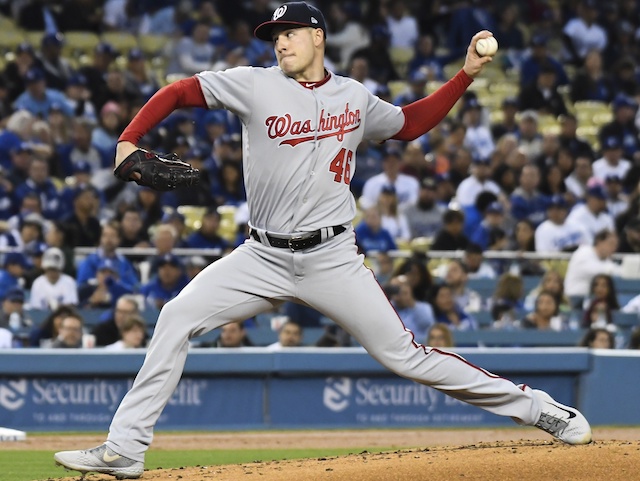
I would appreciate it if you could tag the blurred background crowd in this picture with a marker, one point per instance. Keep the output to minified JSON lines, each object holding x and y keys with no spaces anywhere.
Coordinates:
{"x":540,"y":157}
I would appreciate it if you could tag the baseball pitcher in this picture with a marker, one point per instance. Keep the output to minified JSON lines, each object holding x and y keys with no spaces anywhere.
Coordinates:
{"x":301,"y":127}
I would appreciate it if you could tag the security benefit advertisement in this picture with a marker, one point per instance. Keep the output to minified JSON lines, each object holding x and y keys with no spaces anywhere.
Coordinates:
{"x":380,"y":401}
{"x":64,"y":404}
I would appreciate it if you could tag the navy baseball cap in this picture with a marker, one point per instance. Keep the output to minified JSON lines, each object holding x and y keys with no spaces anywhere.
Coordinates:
{"x":15,"y":294}
{"x":622,"y":100}
{"x":612,"y":178}
{"x":106,"y":48}
{"x":539,"y":40}
{"x":611,"y":142}
{"x":135,"y":54}
{"x":54,"y":39}
{"x":170,"y":259}
{"x":172,"y":215}
{"x":13,"y":258}
{"x":557,"y":201}
{"x":33,"y":75}
{"x":108,"y":264}
{"x":481,"y":160}
{"x":77,"y":79}
{"x":495,"y":208}
{"x":296,"y":14}
{"x":597,"y":191}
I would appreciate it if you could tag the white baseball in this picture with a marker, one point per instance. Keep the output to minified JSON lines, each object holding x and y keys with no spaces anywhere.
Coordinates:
{"x":487,"y":46}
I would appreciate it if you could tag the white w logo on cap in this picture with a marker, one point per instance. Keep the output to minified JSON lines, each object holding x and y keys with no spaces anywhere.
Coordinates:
{"x":279,"y":12}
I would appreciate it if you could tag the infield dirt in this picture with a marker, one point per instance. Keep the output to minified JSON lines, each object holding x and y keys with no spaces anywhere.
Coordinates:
{"x":496,"y":455}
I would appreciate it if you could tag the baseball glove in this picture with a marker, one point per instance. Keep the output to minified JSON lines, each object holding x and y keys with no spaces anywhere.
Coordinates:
{"x":160,"y":172}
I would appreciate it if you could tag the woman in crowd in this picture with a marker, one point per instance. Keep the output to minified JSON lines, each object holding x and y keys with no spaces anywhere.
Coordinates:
{"x":546,"y":315}
{"x":553,"y":283}
{"x":447,"y":312}
{"x":440,"y":336}
{"x":601,"y":303}
{"x":392,"y":220}
{"x":598,"y":338}
{"x":44,"y":334}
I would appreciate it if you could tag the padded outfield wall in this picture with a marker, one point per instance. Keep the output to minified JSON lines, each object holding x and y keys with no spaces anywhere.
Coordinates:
{"x":251,"y":388}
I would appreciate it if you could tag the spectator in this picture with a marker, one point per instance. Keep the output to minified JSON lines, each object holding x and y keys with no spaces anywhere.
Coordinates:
{"x":403,"y":27}
{"x":207,"y":236}
{"x":474,"y":260}
{"x":371,"y":236}
{"x":415,"y":270}
{"x":416,"y":316}
{"x":289,"y":335}
{"x":27,"y":237}
{"x":193,"y":54}
{"x":630,"y":241}
{"x":598,"y":338}
{"x":474,"y":214}
{"x":79,"y":100}
{"x":44,"y":334}
{"x":137,"y":75}
{"x":451,"y":236}
{"x":194,"y":265}
{"x":81,"y":150}
{"x":103,"y":291}
{"x":377,"y":57}
{"x":132,"y":233}
{"x":478,"y":136}
{"x":133,"y":332}
{"x":582,"y":34}
{"x":590,"y":260}
{"x":592,"y":216}
{"x":407,"y":188}
{"x":168,"y":282}
{"x":546,"y":315}
{"x":509,"y":30}
{"x":552,"y":283}
{"x":557,"y":233}
{"x":416,"y":84}
{"x":109,"y":242}
{"x":539,"y":54}
{"x":359,"y":70}
{"x":456,"y":278}
{"x":40,"y":183}
{"x":81,"y":226}
{"x":569,"y":139}
{"x":602,"y":301}
{"x":383,"y":268}
{"x":12,"y":275}
{"x":447,"y":312}
{"x":526,"y":201}
{"x":37,"y":98}
{"x":57,"y":69}
{"x":530,"y":140}
{"x":16,"y":69}
{"x":108,"y":331}
{"x":623,"y":126}
{"x":394,"y":222}
{"x":425,"y":59}
{"x":592,"y":83}
{"x":425,"y":218}
{"x":617,"y":200}
{"x":611,"y":162}
{"x":440,"y":336}
{"x":577,"y":181}
{"x":96,"y":73}
{"x":506,"y":303}
{"x":70,"y":333}
{"x":478,"y":182}
{"x":53,"y":288}
{"x":508,"y":124}
{"x":176,"y":220}
{"x":543,"y":96}
{"x":105,"y":136}
{"x":493,"y":218}
{"x":233,"y":334}
{"x":228,"y":188}
{"x":523,"y":240}
{"x":345,"y":35}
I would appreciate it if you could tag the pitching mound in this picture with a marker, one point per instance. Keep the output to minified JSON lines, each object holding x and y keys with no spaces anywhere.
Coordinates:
{"x":491,"y":460}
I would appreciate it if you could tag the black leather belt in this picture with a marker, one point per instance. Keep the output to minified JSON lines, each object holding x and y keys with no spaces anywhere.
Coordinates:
{"x":297,"y":242}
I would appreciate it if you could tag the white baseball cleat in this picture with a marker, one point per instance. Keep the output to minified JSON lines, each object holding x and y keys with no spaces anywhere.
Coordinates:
{"x":562,"y":422}
{"x":100,"y":460}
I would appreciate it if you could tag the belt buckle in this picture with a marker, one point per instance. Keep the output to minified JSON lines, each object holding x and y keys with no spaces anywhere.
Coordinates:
{"x":293,"y":239}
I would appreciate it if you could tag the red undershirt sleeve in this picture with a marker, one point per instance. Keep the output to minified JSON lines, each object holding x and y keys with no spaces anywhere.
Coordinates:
{"x":183,"y":93}
{"x":424,"y":114}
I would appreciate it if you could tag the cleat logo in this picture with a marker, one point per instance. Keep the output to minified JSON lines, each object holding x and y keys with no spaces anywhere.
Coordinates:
{"x":570,"y":413}
{"x":107,"y":458}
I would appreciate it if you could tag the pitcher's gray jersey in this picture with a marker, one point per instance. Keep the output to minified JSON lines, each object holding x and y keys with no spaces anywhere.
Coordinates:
{"x":299,"y":142}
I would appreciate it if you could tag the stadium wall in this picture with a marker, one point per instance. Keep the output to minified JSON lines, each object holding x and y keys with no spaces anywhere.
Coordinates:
{"x":49,"y":390}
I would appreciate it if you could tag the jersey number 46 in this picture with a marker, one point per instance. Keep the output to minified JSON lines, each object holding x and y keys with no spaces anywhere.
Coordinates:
{"x":341,"y":166}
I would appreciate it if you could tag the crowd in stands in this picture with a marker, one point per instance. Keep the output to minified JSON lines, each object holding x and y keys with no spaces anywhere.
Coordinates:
{"x":542,"y":154}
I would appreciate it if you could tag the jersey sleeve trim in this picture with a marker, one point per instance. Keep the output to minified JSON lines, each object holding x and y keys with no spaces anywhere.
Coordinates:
{"x":183,"y":93}
{"x":424,"y":114}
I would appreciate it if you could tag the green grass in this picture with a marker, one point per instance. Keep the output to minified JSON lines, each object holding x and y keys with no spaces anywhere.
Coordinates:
{"x":39,"y":465}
